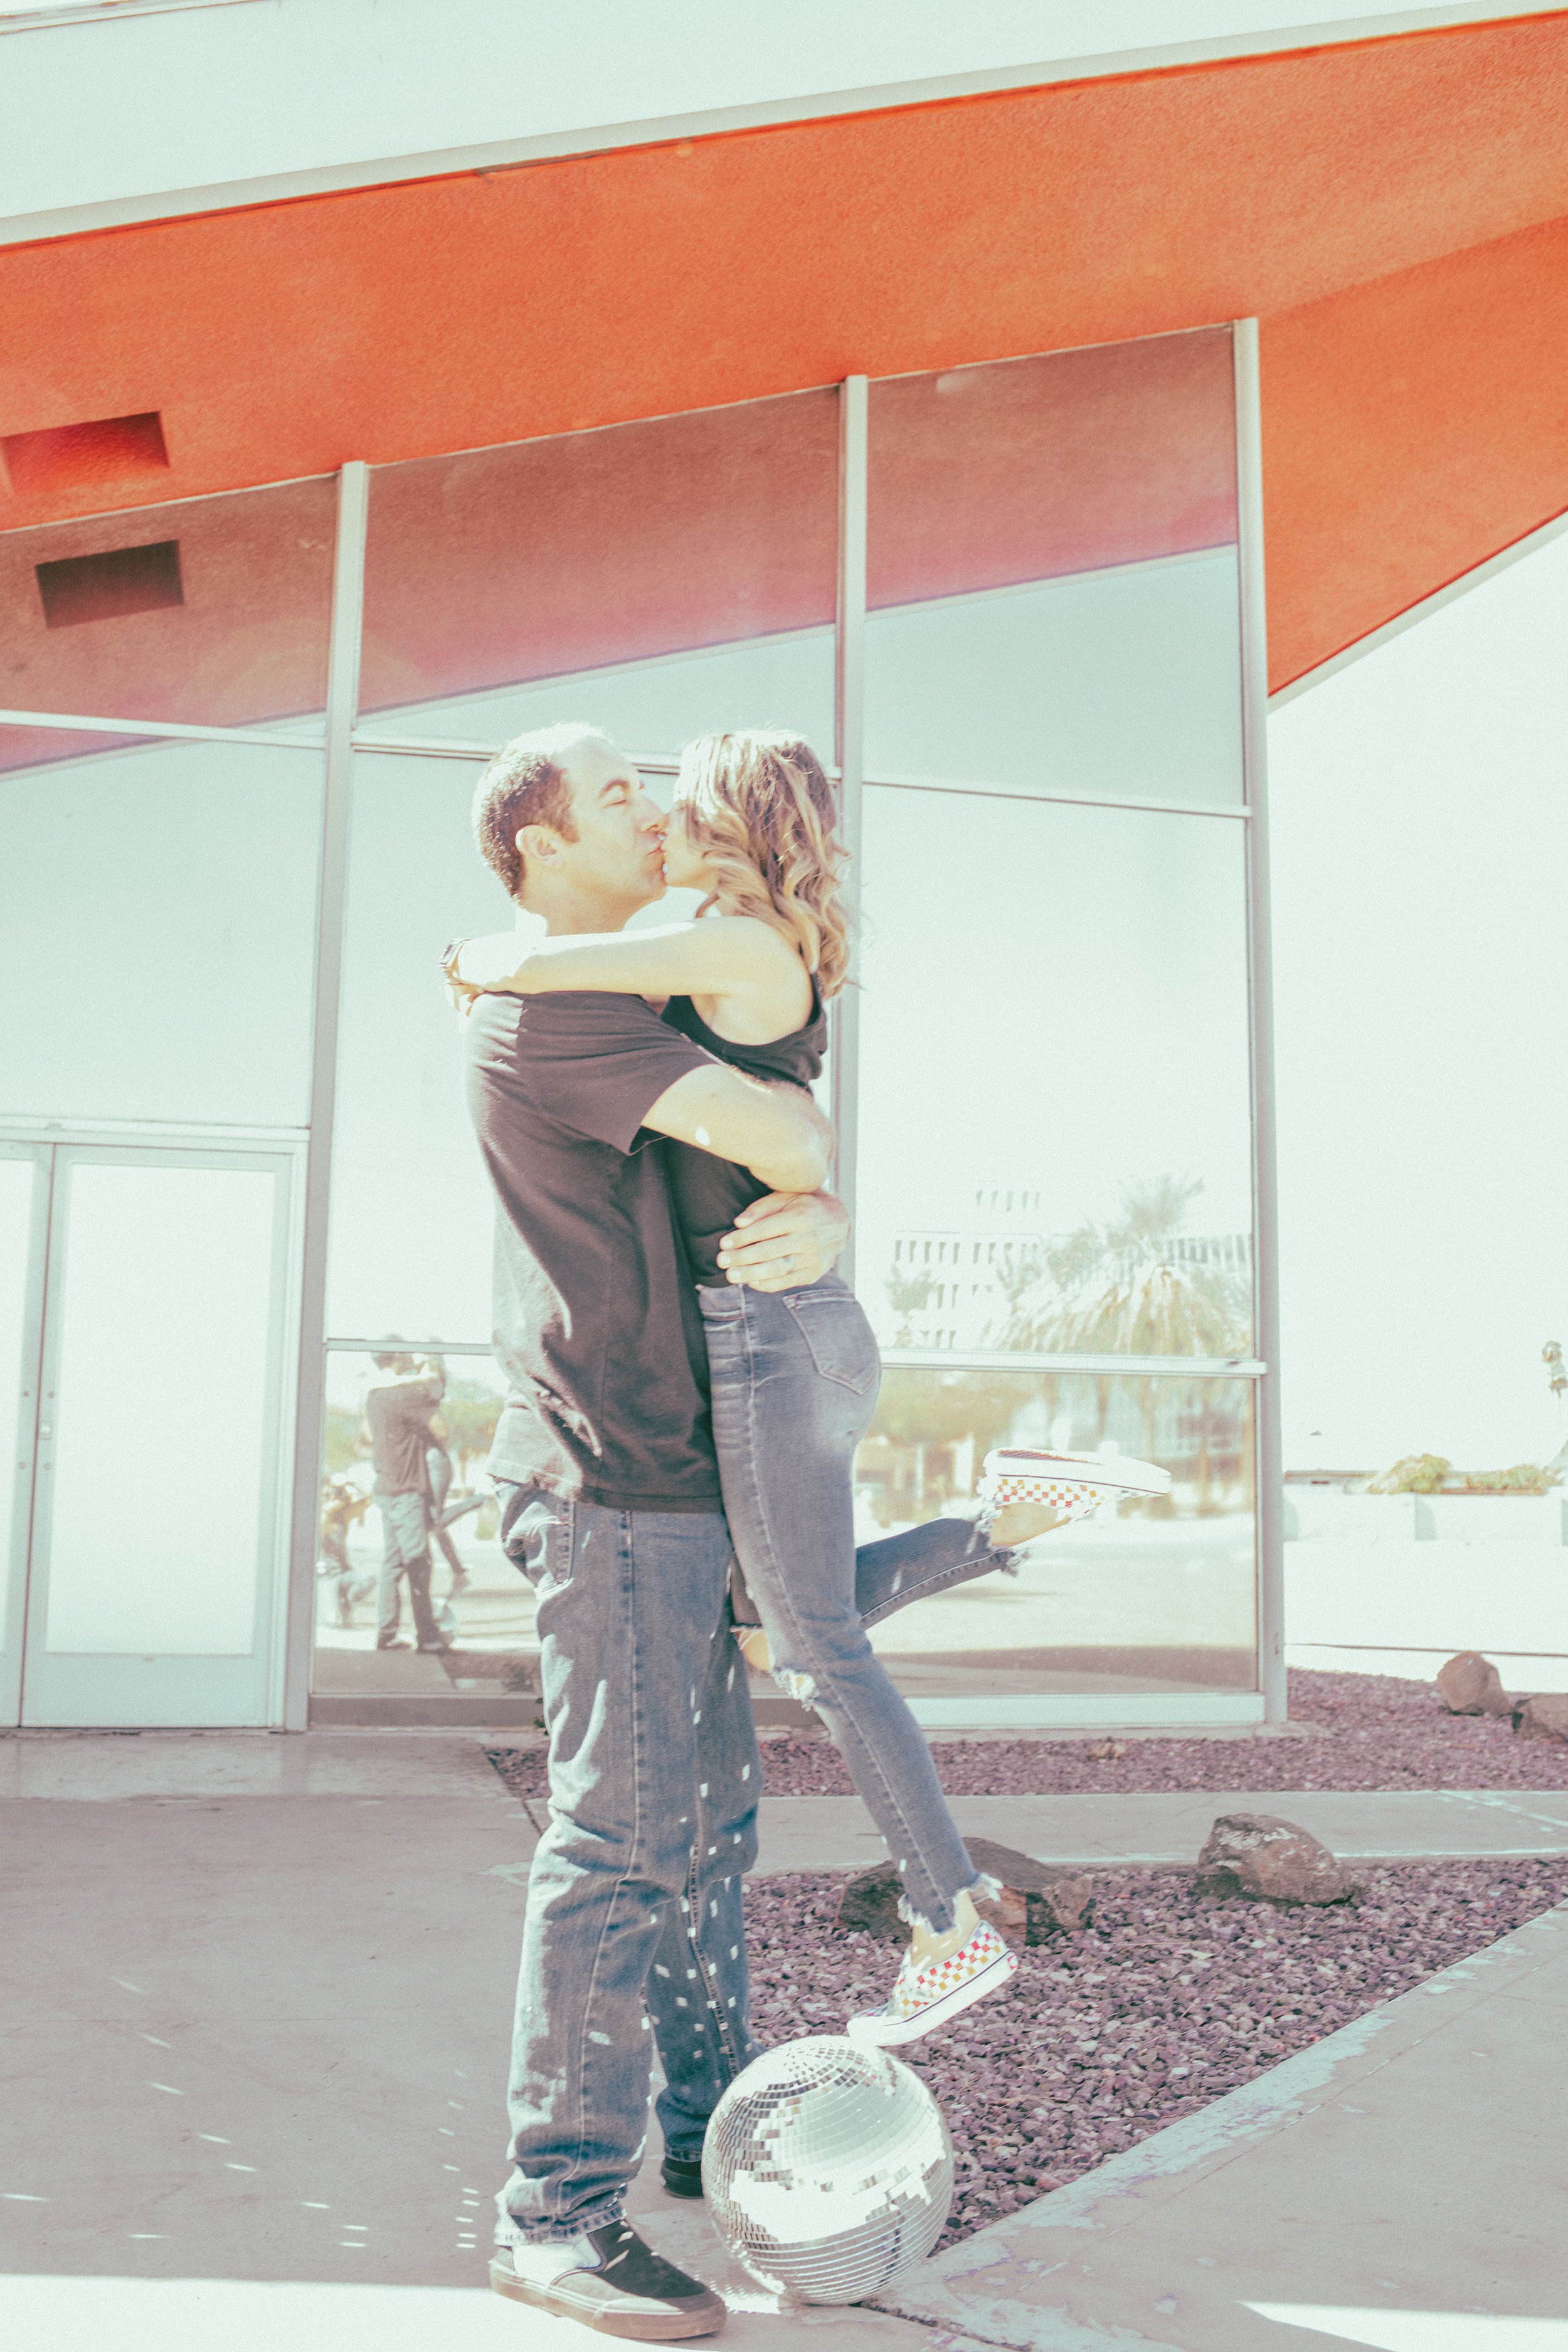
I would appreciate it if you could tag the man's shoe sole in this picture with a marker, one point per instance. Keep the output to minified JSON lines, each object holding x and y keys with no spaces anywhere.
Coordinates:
{"x":590,"y":2298}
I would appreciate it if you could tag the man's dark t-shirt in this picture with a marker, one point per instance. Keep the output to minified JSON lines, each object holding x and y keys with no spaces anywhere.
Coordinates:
{"x":398,"y":1411}
{"x":596,"y":1323}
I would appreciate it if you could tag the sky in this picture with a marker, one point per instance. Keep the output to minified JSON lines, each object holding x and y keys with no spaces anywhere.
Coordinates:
{"x":1420,"y":823}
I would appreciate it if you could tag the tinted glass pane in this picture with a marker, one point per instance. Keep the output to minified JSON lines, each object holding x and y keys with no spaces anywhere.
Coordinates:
{"x":410,"y":1241}
{"x":211,"y":611}
{"x":159,"y":956}
{"x":579,"y":565}
{"x":1109,"y":472}
{"x":1054,"y":1120}
{"x":1157,"y":1596}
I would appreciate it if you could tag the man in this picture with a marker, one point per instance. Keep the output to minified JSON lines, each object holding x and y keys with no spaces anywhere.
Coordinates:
{"x":398,"y":1413}
{"x":610,"y":1506}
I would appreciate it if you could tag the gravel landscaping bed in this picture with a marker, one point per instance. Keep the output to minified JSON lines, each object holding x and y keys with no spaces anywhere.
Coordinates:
{"x":1165,"y":2000}
{"x":1375,"y":1731}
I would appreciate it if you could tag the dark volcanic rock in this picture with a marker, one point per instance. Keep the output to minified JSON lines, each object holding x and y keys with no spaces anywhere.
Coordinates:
{"x":1067,"y":1904}
{"x":1471,"y":1685}
{"x":1542,"y":1717}
{"x":1036,"y":1900}
{"x":869,"y":1906}
{"x":1272,"y":1859}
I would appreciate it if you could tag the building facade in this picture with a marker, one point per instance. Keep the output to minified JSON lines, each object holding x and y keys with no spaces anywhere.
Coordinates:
{"x":954,"y":426}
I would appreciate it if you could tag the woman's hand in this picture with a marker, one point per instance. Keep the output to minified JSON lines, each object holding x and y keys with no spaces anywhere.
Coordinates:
{"x":490,"y":966}
{"x":785,"y":1241}
{"x":461,"y":992}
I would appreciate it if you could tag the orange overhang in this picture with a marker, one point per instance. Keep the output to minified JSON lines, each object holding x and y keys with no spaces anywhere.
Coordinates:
{"x":1395,"y":212}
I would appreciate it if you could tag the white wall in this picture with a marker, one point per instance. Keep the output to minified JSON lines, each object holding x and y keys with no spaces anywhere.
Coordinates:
{"x":125,"y":109}
{"x":1420,"y":802}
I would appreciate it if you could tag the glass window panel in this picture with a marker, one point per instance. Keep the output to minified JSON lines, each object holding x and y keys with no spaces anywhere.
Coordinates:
{"x":1114,"y":684}
{"x":1157,"y":1596}
{"x":1116,"y":460}
{"x":655,"y":706}
{"x":1055,"y":1138}
{"x":578,"y":566}
{"x":412,"y":1210}
{"x":482,"y":1604}
{"x":211,"y":611}
{"x":155,"y":1511}
{"x":159,"y":958}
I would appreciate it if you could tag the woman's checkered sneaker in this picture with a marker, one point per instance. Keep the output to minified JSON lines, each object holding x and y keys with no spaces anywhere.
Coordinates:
{"x":1072,"y":1484}
{"x":923,"y":1997}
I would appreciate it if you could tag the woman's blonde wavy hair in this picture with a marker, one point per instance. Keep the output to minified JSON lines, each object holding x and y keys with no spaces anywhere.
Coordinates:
{"x":761,"y":808}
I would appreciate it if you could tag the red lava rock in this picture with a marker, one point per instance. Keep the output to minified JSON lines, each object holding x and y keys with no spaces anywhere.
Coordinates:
{"x":1471,"y":1685}
{"x":1169,"y":2000}
{"x":1036,"y":1900}
{"x":1273,"y":1861}
{"x":1542,"y":1717}
{"x":1371,"y":1731}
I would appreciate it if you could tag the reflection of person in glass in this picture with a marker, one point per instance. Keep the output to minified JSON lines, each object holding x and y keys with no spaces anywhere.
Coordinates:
{"x":793,"y":1366}
{"x":397,"y":1411}
{"x":438,"y":1471}
{"x":342,"y":1505}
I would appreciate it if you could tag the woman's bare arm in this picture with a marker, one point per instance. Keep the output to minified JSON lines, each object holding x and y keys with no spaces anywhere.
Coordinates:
{"x":723,"y":955}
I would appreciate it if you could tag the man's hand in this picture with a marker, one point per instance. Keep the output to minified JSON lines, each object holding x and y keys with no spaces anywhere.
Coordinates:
{"x":784,"y":1240}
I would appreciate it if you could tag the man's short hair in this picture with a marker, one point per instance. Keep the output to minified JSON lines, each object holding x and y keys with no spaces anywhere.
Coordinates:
{"x":526,"y":784}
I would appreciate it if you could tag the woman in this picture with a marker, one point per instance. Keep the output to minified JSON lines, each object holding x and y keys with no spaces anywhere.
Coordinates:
{"x":794,"y":1372}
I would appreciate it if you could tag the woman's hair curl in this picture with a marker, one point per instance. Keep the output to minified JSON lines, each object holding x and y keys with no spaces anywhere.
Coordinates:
{"x":759,"y":804}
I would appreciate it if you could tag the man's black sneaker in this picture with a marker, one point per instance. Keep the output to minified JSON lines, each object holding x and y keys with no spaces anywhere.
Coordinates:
{"x":630,"y":2291}
{"x":682,"y":2175}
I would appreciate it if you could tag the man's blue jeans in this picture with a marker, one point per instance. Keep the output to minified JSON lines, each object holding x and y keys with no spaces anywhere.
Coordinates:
{"x":633,"y":1899}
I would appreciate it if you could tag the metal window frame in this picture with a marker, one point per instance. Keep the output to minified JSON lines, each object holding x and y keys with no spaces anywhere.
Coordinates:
{"x":850,"y":732}
{"x":331,"y":897}
{"x":1269,"y":1437}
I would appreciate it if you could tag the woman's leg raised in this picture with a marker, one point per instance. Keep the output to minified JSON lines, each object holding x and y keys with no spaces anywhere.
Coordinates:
{"x":795,"y":1377}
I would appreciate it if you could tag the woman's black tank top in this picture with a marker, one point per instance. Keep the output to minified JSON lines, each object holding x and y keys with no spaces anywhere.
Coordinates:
{"x":707,"y":1194}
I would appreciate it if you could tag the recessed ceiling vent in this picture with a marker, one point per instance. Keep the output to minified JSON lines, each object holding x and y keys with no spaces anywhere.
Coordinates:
{"x":98,"y":456}
{"x":104,"y":587}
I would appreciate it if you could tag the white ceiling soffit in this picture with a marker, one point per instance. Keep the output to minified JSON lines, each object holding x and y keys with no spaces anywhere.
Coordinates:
{"x":145,"y":110}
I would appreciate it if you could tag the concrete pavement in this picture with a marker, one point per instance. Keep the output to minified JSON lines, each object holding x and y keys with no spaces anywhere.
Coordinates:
{"x":258,"y":1996}
{"x":1401,"y":2184}
{"x":1169,"y":1826}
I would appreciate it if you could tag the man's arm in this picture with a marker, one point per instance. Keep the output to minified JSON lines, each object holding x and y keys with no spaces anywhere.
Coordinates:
{"x":777,"y":1130}
{"x":785,"y":1241}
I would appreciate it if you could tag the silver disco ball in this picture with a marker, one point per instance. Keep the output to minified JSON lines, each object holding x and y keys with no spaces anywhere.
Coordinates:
{"x":827,"y":2169}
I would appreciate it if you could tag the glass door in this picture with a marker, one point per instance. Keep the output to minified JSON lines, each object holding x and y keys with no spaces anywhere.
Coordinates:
{"x":155,"y":1547}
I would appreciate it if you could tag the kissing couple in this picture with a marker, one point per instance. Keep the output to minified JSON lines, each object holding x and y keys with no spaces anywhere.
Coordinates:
{"x":687,"y":1383}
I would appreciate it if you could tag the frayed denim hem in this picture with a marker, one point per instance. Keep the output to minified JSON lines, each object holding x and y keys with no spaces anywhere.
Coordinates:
{"x":983,"y":1887}
{"x":509,"y":2231}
